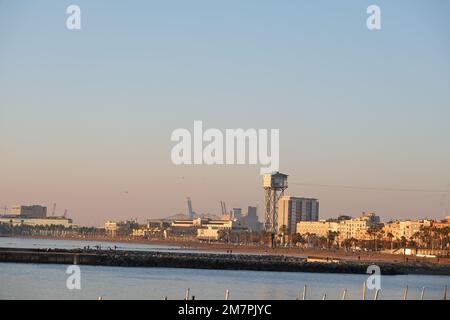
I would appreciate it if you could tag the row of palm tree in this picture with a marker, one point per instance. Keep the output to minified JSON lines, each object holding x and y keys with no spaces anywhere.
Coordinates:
{"x":432,"y":237}
{"x":9,"y":229}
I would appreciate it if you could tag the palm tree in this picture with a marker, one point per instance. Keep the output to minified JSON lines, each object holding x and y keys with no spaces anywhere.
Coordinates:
{"x":374,"y":232}
{"x":390,"y":236}
{"x":331,"y":236}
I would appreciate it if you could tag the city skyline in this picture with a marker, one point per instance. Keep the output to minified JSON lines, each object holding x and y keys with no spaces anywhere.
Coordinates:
{"x":86,"y":116}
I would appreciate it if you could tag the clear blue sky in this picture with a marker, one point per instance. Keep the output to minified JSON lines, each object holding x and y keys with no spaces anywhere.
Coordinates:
{"x":86,"y":115}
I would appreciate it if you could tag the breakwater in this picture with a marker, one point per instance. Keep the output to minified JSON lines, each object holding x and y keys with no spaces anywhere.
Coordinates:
{"x":209,"y":261}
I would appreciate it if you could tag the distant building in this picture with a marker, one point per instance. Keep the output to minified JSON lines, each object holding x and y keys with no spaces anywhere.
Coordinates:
{"x":442,"y":224}
{"x":34,"y":215}
{"x":250,"y":220}
{"x":292,"y":210}
{"x":236,"y":213}
{"x":120,"y":228}
{"x":210,"y":234}
{"x":406,"y":228}
{"x":357,"y":228}
{"x":345,"y":228}
{"x":317,"y":228}
{"x":34,"y":222}
{"x":204,"y":223}
{"x":33,"y":211}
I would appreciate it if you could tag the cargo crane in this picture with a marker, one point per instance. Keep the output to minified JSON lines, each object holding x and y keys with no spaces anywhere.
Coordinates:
{"x":191,"y":213}
{"x":224,"y":209}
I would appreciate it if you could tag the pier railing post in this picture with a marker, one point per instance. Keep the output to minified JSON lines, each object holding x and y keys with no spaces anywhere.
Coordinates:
{"x":422,"y":295}
{"x":364,"y":291}
{"x":377,"y":292}
{"x":344,"y":294}
{"x":304,"y":293}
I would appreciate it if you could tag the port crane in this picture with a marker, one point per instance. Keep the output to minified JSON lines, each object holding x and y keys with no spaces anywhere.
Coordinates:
{"x":224,"y":209}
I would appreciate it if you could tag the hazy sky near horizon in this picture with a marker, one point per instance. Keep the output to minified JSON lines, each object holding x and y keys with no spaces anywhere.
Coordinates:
{"x":86,"y":116}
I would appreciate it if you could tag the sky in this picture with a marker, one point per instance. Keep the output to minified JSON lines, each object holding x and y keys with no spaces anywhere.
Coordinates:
{"x":86,"y":115}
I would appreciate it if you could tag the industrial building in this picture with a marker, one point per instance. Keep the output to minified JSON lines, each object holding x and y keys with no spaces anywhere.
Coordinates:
{"x":34,"y":215}
{"x":33,"y":211}
{"x":50,"y":221}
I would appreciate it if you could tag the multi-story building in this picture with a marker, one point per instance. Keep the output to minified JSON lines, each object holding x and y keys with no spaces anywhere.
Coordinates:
{"x":203,"y":223}
{"x":346,"y":228}
{"x":120,"y":228}
{"x":442,"y":224}
{"x":236,"y":213}
{"x":34,"y":222}
{"x":34,"y":215}
{"x":292,"y":210}
{"x":33,"y":211}
{"x":357,"y":228}
{"x":409,"y":228}
{"x":210,"y":234}
{"x":406,"y":228}
{"x":250,"y":220}
{"x":318,"y":228}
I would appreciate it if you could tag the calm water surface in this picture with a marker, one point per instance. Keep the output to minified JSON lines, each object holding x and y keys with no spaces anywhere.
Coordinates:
{"x":41,"y":281}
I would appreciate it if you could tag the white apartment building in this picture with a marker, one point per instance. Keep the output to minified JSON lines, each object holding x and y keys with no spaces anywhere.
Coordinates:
{"x":318,"y":228}
{"x":406,"y":228}
{"x":351,"y":228}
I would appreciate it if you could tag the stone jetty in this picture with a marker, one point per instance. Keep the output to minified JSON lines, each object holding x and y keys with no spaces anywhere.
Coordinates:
{"x":209,"y":261}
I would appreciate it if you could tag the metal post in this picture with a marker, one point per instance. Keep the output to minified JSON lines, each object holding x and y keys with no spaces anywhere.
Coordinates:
{"x":344,"y":294}
{"x":376,"y":294}
{"x":186,"y":297}
{"x":422,"y":294}
{"x":445,"y":293}
{"x":304,"y":293}
{"x":324,"y":297}
{"x":227,"y":294}
{"x":405,"y":294}
{"x":364,"y":291}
